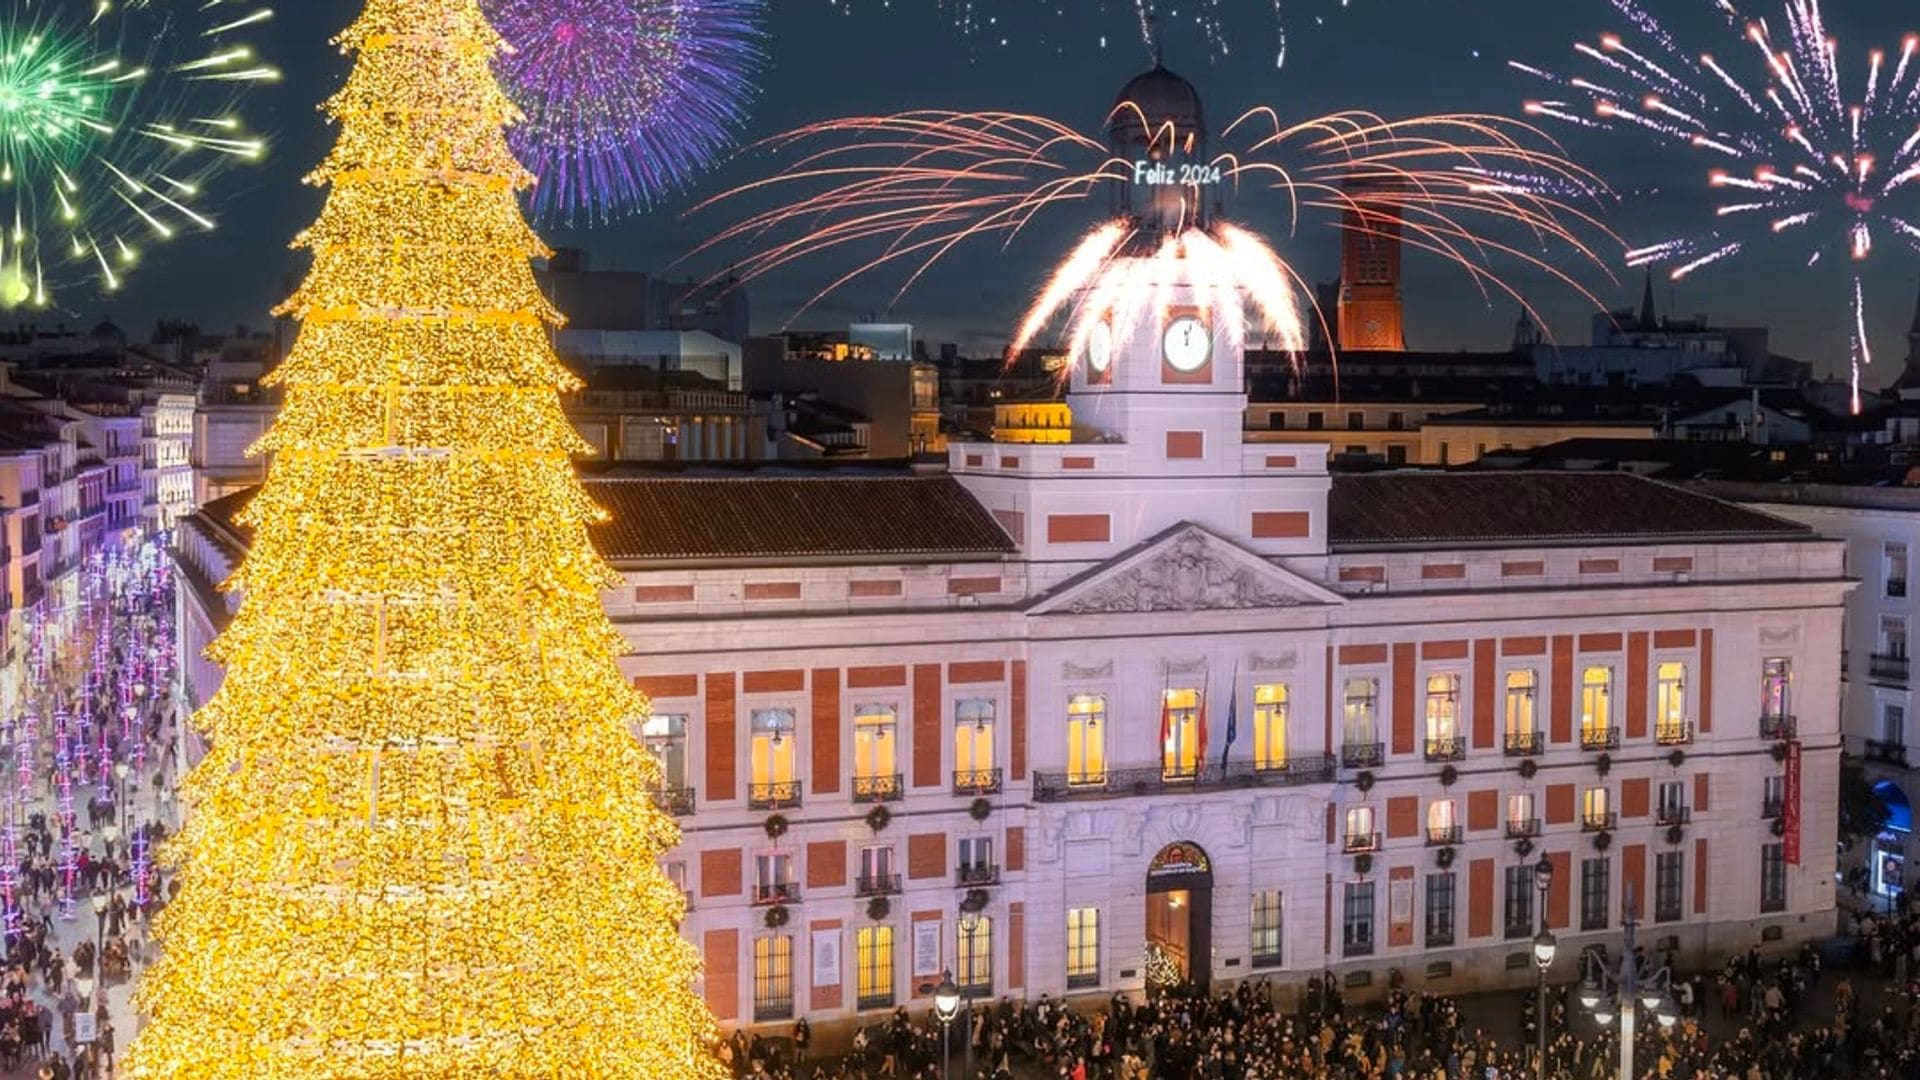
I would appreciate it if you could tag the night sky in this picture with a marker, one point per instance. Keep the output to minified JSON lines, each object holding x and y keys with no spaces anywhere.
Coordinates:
{"x":1395,"y":57}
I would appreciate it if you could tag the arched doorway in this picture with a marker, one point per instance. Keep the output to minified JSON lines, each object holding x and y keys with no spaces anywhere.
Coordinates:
{"x":1179,"y":916}
{"x":1890,"y":847}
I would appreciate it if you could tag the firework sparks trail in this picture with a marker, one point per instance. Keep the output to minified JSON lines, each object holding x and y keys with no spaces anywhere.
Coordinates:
{"x":115,"y":119}
{"x":899,"y":192}
{"x":626,"y":101}
{"x":1791,"y":150}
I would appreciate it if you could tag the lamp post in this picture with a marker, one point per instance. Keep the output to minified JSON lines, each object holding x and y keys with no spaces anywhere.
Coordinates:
{"x":946,"y":1002}
{"x":120,"y":771}
{"x":1625,"y":991}
{"x":969,"y":925}
{"x":1544,"y":946}
{"x":100,"y":945}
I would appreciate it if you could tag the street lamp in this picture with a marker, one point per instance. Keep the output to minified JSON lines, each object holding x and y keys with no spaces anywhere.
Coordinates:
{"x":946,"y":1002}
{"x":1544,"y":947}
{"x":100,"y":941}
{"x":120,"y":771}
{"x":1624,"y":992}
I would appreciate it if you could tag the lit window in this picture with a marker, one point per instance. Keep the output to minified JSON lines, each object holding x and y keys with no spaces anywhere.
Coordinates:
{"x":1181,"y":725}
{"x":1520,"y":814}
{"x":973,"y":742}
{"x":1443,"y":717}
{"x":774,"y":752}
{"x":1776,"y":687}
{"x":1522,"y":687}
{"x":1596,"y":705}
{"x":1362,"y":695}
{"x":975,"y":974}
{"x":1270,"y":726}
{"x":1594,"y":807}
{"x":874,"y":742}
{"x":873,"y":961}
{"x":1360,"y":835}
{"x":1442,"y":826}
{"x":1086,"y":734}
{"x":1670,"y":702}
{"x":773,"y":977}
{"x":665,"y":734}
{"x":1083,"y":948}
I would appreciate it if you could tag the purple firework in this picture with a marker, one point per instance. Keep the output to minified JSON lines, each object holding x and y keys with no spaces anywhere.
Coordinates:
{"x":626,"y":100}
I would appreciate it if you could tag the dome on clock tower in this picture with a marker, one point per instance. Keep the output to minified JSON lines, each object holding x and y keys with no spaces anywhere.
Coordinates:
{"x":1149,"y":105}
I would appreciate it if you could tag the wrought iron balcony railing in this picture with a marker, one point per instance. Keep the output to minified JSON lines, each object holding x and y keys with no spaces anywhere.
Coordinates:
{"x":976,"y":782}
{"x":1778,"y":728}
{"x":677,"y":801}
{"x":1446,"y":748}
{"x":1672,"y":815}
{"x":975,"y":874}
{"x":776,"y":796}
{"x":1772,"y":808}
{"x":872,"y":789}
{"x":1886,"y":753}
{"x":1521,"y":828}
{"x":876,"y":885}
{"x":778,"y":892}
{"x":1891,"y":669}
{"x":1441,"y":835}
{"x":1153,"y":779}
{"x":1363,"y":755}
{"x":1673,"y":733}
{"x":1599,"y":822}
{"x":1359,"y":843}
{"x":1600,"y":738}
{"x":1525,"y":743}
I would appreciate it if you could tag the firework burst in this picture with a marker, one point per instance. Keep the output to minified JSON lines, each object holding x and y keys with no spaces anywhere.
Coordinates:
{"x":114,"y":119}
{"x":626,"y":100}
{"x":1794,"y":153}
{"x":900,"y":192}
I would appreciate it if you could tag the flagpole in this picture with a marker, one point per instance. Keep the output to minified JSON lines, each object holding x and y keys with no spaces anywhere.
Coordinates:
{"x":1233,"y":716}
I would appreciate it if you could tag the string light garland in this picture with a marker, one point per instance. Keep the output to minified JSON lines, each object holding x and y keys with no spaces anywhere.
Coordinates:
{"x":422,"y":843}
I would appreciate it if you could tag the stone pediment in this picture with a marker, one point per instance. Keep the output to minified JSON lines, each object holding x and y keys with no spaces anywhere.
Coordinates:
{"x":1186,"y":568}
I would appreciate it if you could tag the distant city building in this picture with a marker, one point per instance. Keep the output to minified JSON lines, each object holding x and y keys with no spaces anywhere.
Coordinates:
{"x":840,"y":399}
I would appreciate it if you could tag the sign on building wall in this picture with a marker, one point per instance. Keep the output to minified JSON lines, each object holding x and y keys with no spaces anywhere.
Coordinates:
{"x":1790,"y":813}
{"x":926,"y":948}
{"x":826,"y":958}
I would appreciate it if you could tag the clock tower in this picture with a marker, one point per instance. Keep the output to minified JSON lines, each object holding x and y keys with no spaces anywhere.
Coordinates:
{"x":1370,"y":316}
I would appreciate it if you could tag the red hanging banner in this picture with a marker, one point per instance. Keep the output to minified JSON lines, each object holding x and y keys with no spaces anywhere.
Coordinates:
{"x":1790,"y":812}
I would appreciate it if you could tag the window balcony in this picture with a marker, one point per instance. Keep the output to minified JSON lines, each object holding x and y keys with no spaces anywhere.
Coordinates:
{"x":1672,"y":815}
{"x":782,"y":795}
{"x":677,"y":801}
{"x":1156,"y":780}
{"x":1892,"y":669}
{"x":1676,"y":733}
{"x":778,"y":892}
{"x":976,"y":782}
{"x":1363,"y":755}
{"x":876,"y":789}
{"x":1442,"y":835}
{"x":1772,"y":808}
{"x":1525,"y":743}
{"x":1360,"y":843}
{"x":876,"y":885}
{"x":1599,"y":822}
{"x":1778,"y":728}
{"x":1606,"y":738}
{"x":1886,"y":753}
{"x":1447,"y":748}
{"x":1522,"y":828}
{"x":976,"y":874}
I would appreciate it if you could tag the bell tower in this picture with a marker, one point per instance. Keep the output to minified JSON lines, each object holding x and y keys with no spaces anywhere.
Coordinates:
{"x":1371,"y":315}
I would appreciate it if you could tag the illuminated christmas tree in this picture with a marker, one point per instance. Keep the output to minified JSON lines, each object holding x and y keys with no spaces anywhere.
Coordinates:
{"x":422,"y":844}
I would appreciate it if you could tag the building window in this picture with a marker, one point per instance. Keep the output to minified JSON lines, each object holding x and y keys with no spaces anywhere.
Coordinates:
{"x":677,"y":875}
{"x":774,"y":752}
{"x":874,"y":746}
{"x":1356,"y":421}
{"x":976,"y":858}
{"x":1266,"y":928}
{"x":665,"y":734}
{"x":1520,"y":816}
{"x":1666,"y":886}
{"x":1443,"y":717}
{"x":773,"y":977}
{"x":1595,"y":811}
{"x":1670,"y":703}
{"x":1773,"y":795}
{"x":973,"y":743}
{"x":773,"y":881}
{"x":877,"y":872}
{"x":1523,"y":688}
{"x":1596,"y":706}
{"x":873,"y":963}
{"x":1896,"y":569}
{"x":1672,"y":804}
{"x":1086,"y":734}
{"x":1893,"y":725}
{"x":1316,"y":421}
{"x":1893,"y":637}
{"x":1773,"y":877}
{"x":1270,"y":726}
{"x":1358,"y":723}
{"x":1180,"y":722}
{"x":1776,"y":687}
{"x":1519,"y":901}
{"x":1360,"y":835}
{"x":1439,"y":910}
{"x":1443,"y":827}
{"x":1083,"y":948}
{"x":1594,"y":892}
{"x":1356,"y":926}
{"x":976,"y":957}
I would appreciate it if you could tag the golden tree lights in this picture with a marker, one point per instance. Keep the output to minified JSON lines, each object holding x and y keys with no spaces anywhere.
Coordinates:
{"x":422,"y":844}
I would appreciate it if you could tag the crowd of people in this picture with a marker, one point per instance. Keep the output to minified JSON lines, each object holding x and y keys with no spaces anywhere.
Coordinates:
{"x":1751,"y":1020}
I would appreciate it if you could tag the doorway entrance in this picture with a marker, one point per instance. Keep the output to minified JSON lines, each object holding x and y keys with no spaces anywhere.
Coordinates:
{"x":1179,"y":917}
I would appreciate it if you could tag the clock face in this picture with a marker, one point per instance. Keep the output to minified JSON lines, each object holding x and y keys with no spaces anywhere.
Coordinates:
{"x":1100,"y":348}
{"x":1187,"y":344}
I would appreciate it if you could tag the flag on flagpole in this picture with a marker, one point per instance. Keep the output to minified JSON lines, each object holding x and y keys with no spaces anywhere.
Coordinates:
{"x":1200,"y":725}
{"x":1166,"y":713}
{"x":1233,"y":718}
